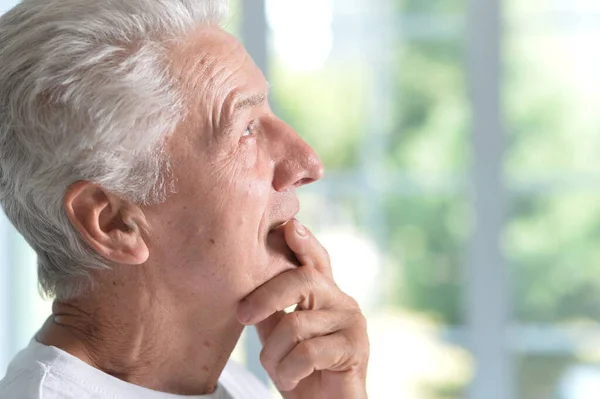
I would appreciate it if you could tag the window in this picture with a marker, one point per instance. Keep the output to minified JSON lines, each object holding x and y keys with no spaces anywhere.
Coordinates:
{"x":460,"y":202}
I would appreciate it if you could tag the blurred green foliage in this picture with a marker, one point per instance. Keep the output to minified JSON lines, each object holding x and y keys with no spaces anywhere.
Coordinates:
{"x":429,"y":6}
{"x":326,"y":108}
{"x":552,"y":238}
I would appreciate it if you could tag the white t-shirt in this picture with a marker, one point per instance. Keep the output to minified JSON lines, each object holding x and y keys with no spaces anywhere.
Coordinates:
{"x":46,"y":372}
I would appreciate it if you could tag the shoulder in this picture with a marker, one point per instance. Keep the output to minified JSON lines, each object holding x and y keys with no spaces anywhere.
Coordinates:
{"x":242,"y":384}
{"x":29,"y":376}
{"x":39,"y":382}
{"x":23,"y":383}
{"x":34,"y":382}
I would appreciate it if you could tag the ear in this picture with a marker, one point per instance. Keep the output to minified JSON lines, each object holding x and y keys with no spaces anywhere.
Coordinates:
{"x":111,"y":226}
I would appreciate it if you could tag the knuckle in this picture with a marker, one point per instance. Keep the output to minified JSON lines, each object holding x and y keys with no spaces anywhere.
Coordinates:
{"x":316,"y":281}
{"x":351,"y":353}
{"x":308,"y":275}
{"x":362,"y":347}
{"x":355,"y":320}
{"x":362,"y":356}
{"x":347,"y":342}
{"x":306,"y":351}
{"x":285,"y":372}
{"x":352,"y":303}
{"x":326,"y":255}
{"x":360,"y":320}
{"x":365,"y":351}
{"x":309,"y":281}
{"x":358,"y":341}
{"x":292,"y":322}
{"x":266,"y":359}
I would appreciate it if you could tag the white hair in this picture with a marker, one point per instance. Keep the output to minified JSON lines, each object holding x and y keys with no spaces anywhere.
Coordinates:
{"x":86,"y":93}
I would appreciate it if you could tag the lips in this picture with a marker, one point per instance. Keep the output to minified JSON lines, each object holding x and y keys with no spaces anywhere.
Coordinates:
{"x":279,"y":226}
{"x":276,"y":227}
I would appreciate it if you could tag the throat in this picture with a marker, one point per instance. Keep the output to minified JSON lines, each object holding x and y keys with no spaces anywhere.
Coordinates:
{"x":165,"y":355}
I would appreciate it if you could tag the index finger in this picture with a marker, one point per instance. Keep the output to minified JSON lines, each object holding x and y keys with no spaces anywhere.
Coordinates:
{"x":307,"y":248}
{"x":302,"y":286}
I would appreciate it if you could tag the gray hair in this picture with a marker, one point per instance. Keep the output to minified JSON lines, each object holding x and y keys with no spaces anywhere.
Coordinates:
{"x":86,"y":93}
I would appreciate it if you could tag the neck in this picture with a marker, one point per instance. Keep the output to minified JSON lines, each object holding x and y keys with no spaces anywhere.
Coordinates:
{"x":126,"y":332}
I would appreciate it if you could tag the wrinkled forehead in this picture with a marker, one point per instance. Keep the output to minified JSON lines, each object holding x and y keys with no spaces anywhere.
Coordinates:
{"x":211,"y":63}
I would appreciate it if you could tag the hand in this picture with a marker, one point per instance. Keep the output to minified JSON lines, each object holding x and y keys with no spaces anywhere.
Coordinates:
{"x":321,"y":349}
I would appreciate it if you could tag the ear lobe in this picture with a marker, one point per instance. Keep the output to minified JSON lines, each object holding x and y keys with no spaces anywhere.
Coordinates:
{"x":111,"y":226}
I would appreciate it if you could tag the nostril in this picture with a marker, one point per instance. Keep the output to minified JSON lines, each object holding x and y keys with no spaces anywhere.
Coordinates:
{"x":302,"y":182}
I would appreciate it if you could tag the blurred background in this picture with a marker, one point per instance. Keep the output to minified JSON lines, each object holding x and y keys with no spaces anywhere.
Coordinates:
{"x":461,"y":199}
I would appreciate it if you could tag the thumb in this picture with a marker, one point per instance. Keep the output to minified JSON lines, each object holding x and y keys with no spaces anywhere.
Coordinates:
{"x":266,"y":327}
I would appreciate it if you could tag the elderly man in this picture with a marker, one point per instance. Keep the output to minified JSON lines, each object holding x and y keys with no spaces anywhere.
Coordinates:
{"x":141,"y":161}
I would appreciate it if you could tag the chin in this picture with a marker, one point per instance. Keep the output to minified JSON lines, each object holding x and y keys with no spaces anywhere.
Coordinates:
{"x":280,"y":263}
{"x":281,"y":256}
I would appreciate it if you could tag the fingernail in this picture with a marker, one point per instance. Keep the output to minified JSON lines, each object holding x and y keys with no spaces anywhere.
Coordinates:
{"x":301,"y":230}
{"x":285,"y":385}
{"x":244,"y":314}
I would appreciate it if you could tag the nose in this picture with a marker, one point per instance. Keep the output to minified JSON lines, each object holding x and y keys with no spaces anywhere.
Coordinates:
{"x":296,"y":163}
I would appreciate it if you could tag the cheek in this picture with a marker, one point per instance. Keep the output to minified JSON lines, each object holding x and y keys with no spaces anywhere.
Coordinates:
{"x":246,"y":195}
{"x":224,"y":208}
{"x":230,"y":219}
{"x":255,"y":194}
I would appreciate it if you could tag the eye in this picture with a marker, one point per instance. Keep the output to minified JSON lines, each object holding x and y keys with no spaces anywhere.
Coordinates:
{"x":249,"y":130}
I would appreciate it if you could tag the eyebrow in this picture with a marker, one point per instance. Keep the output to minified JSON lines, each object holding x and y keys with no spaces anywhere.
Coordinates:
{"x":240,"y":102}
{"x":250,"y":101}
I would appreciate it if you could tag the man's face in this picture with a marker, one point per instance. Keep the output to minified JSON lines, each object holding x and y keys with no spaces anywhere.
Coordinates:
{"x":236,"y":169}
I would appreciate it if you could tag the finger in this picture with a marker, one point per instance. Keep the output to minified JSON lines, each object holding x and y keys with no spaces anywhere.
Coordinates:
{"x":307,"y":248}
{"x":299,"y":326}
{"x":302,"y":286}
{"x":266,"y":327}
{"x":333,"y":352}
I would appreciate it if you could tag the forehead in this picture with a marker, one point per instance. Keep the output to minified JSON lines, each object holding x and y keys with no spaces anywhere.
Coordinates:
{"x":212,"y":60}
